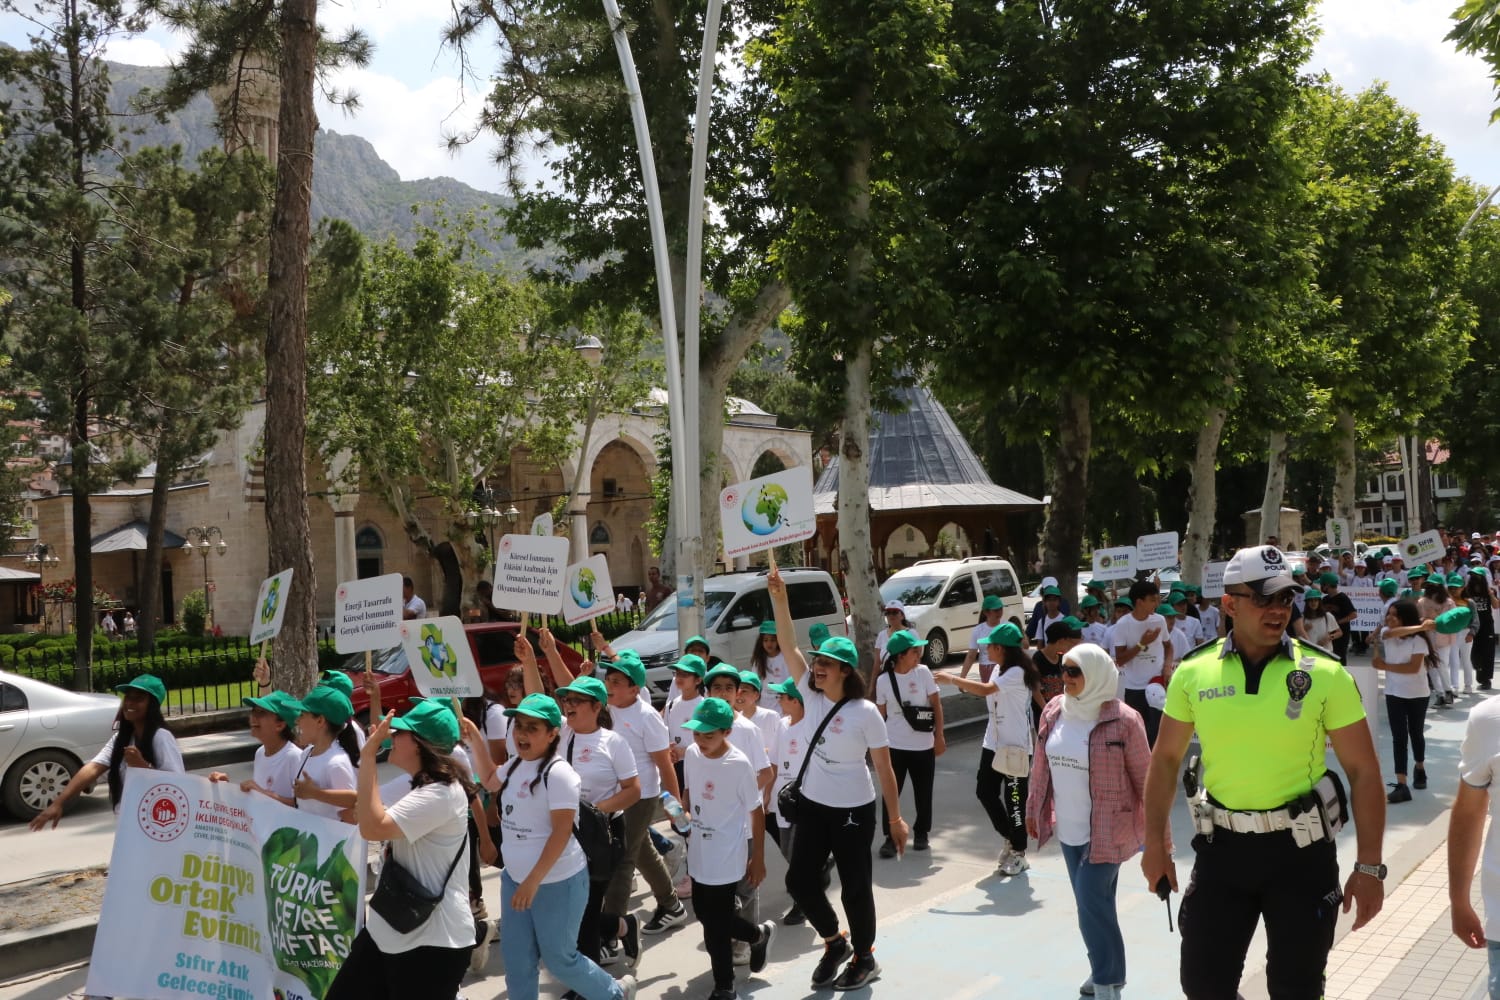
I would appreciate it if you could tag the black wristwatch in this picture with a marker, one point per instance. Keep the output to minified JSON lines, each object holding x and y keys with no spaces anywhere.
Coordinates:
{"x":1379,"y":871}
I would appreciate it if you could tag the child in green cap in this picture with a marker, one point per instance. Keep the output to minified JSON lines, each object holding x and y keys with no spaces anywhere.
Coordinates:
{"x":768,"y":663}
{"x":325,"y":783}
{"x":273,"y":721}
{"x":791,"y":745}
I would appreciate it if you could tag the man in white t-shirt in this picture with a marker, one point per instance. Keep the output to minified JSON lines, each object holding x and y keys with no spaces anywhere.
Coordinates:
{"x":1143,"y":651}
{"x":1478,"y":767}
{"x":1209,"y":618}
{"x":412,"y":606}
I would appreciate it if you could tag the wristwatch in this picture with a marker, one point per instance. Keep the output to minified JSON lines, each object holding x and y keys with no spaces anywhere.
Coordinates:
{"x":1378,"y":871}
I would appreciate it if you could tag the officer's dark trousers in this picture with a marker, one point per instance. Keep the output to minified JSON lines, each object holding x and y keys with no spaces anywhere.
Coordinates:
{"x":1240,"y":878}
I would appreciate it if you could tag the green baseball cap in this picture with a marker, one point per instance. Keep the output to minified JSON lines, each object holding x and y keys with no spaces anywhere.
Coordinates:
{"x":331,"y":703}
{"x":1124,"y":602}
{"x":1177,"y":587}
{"x":1328,"y":579}
{"x":1051,"y":592}
{"x":789,"y":688}
{"x":711,"y":716}
{"x":1416,"y":571}
{"x":339,"y":681}
{"x":1312,"y":594}
{"x":768,"y":627}
{"x":722,"y":670}
{"x":539,"y":706}
{"x":1073,"y":623}
{"x":992,"y":603}
{"x":433,"y":720}
{"x":1388,"y":587}
{"x":901,"y":641}
{"x":691,"y":664}
{"x":818,"y":633}
{"x":696,"y":640}
{"x":1193,"y":588}
{"x":840,"y":648}
{"x":1004,"y":634}
{"x":588,"y":687}
{"x":147,"y":684}
{"x":1455,"y":579}
{"x":629,"y":663}
{"x":1177,"y":597}
{"x":751,"y":678}
{"x":1166,"y":611}
{"x":1454,"y":620}
{"x":278,"y":703}
{"x":1089,"y":601}
{"x":1094,"y":585}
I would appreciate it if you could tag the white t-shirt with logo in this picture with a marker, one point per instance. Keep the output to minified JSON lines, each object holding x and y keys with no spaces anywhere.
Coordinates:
{"x":1479,"y":766}
{"x":277,"y":772}
{"x":917,"y":689}
{"x":645,"y":733}
{"x":526,"y":820}
{"x":791,"y":747}
{"x":1068,"y":760}
{"x":163,"y":744}
{"x":1098,"y":634}
{"x":331,"y":770}
{"x":837,"y":775}
{"x":602,"y":760}
{"x":981,"y":630}
{"x":678,"y":711}
{"x":434,"y":822}
{"x":1405,"y":685}
{"x":1208,"y":618}
{"x":746,"y":737}
{"x":776,"y":672}
{"x":769,"y":724}
{"x":722,"y":794}
{"x":1183,"y":640}
{"x":1137,"y":673}
{"x":1009,"y":707}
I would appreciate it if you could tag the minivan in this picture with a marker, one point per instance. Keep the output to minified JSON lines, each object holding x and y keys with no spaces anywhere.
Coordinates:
{"x":943,"y":598}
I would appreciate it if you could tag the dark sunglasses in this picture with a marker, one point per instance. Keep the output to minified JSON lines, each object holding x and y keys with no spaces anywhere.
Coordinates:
{"x":1071,"y":671}
{"x":1280,"y":599}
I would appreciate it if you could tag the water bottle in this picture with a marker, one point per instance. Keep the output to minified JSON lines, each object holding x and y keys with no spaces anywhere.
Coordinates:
{"x":678,"y":816}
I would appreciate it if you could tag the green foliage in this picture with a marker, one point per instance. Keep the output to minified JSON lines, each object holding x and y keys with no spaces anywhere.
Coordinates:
{"x":194,"y":614}
{"x":1476,"y":30}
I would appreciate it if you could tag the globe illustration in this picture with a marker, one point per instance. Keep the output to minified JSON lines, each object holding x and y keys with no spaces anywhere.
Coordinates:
{"x":583,"y":587}
{"x":761,"y":510}
{"x":437,"y":655}
{"x":273,"y":598}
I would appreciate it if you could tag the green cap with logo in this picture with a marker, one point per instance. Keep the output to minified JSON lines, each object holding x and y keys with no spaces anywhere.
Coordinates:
{"x":751,"y":678}
{"x":1094,"y":585}
{"x":691,"y":664}
{"x":1418,"y":572}
{"x":1388,"y":588}
{"x":712,"y":716}
{"x":789,"y":688}
{"x":433,"y":720}
{"x":1051,"y":592}
{"x":587,"y":687}
{"x":722,"y":670}
{"x":1166,"y":611}
{"x":818,"y":634}
{"x":629,"y":664}
{"x":1089,"y":601}
{"x":1004,"y":634}
{"x":768,"y":627}
{"x":1328,"y":579}
{"x":993,"y":603}
{"x":697,"y":640}
{"x":901,"y":641}
{"x":278,"y":703}
{"x":339,"y":681}
{"x":1177,"y":597}
{"x":840,"y":648}
{"x":1312,"y":594}
{"x":539,"y":706}
{"x":1124,"y":602}
{"x":330,"y":703}
{"x":1455,"y":579}
{"x":146,"y":684}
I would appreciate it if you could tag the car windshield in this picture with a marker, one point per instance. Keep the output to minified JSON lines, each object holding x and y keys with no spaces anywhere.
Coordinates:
{"x":911,"y":590}
{"x":664,"y":618}
{"x":385,"y":661}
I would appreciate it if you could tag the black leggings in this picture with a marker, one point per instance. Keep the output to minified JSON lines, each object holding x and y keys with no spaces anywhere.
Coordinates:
{"x":1004,"y":800}
{"x":422,"y":972}
{"x":715,"y":908}
{"x":922,"y":766}
{"x":1407,"y":716}
{"x":847,"y":834}
{"x":1482,"y":655}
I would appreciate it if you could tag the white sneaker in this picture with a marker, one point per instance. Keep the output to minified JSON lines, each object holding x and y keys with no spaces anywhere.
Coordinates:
{"x":1015,"y":864}
{"x":480,"y":956}
{"x":742,"y":953}
{"x":1005,"y":853}
{"x":627,"y":987}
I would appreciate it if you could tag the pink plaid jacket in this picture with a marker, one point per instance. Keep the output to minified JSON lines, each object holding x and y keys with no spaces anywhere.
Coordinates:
{"x":1118,"y":759}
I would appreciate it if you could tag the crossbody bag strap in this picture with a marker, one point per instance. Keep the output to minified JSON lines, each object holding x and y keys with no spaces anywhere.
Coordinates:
{"x":890,"y":672}
{"x":571,"y":738}
{"x":817,"y":733}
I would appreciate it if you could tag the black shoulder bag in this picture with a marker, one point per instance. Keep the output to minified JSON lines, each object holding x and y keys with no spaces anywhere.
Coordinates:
{"x":921,"y":718}
{"x":790,"y":800}
{"x":601,"y":836}
{"x":401,"y":899}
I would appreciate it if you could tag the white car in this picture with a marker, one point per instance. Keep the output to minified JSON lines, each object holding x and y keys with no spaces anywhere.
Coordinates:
{"x":943,"y":598}
{"x":46,"y":735}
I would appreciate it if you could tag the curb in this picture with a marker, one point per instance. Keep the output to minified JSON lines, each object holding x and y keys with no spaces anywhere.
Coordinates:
{"x":28,"y":952}
{"x":197,"y":760}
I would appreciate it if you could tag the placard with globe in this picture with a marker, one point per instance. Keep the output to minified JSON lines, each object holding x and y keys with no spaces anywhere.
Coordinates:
{"x":589,"y":593}
{"x":270,"y":607}
{"x":442,"y":664}
{"x":767,"y":512}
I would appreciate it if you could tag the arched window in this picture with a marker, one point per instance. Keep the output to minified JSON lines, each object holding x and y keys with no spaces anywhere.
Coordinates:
{"x":369,"y":552}
{"x":600,"y":534}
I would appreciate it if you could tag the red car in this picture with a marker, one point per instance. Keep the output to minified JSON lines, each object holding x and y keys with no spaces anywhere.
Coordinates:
{"x":492,"y":643}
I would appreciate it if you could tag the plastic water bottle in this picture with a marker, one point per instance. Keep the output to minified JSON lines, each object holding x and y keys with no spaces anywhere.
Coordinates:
{"x":676,"y":814}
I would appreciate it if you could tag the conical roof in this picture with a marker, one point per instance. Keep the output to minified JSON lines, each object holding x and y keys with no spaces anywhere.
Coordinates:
{"x":919,"y":460}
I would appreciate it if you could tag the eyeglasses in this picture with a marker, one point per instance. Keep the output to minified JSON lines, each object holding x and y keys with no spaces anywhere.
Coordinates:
{"x":1072,"y":671}
{"x":1280,"y":599}
{"x":576,"y":701}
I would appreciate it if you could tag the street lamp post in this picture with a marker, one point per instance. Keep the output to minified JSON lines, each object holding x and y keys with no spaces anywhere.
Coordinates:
{"x":484,"y":514}
{"x":206,"y":535}
{"x":41,"y":555}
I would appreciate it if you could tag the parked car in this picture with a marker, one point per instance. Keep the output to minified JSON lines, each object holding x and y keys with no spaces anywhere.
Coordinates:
{"x":1033,"y":597}
{"x":943,"y":597}
{"x":492,"y":643}
{"x":734,"y":605}
{"x":46,"y":735}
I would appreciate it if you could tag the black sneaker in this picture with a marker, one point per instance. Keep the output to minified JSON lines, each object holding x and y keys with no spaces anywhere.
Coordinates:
{"x":631,"y":941}
{"x":861,"y":971}
{"x":610,"y":953}
{"x":834,"y":953}
{"x":1419,"y":778}
{"x":920,"y":842}
{"x":794,"y":917}
{"x":759,"y":948}
{"x":1400,"y":793}
{"x":664,"y":919}
{"x":723,"y":993}
{"x":888,"y":849}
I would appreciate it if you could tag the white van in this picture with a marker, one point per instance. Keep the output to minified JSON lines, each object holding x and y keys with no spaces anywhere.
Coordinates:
{"x":943,"y":598}
{"x":734,"y":605}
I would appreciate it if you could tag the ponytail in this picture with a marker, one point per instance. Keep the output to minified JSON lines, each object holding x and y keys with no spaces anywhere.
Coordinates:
{"x":348,"y":743}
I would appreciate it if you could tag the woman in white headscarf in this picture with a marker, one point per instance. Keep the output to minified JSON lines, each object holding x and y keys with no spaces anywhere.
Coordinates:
{"x":1088,"y":782}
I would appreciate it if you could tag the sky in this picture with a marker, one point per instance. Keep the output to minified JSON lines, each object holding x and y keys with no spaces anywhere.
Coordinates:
{"x":412,"y":94}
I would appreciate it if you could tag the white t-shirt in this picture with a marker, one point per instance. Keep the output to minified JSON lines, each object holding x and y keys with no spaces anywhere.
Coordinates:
{"x":416,"y":606}
{"x":601,"y":758}
{"x":1479,"y":766}
{"x":791,"y":747}
{"x":982,"y":648}
{"x":881,"y":638}
{"x":1098,"y":634}
{"x":747,"y":738}
{"x":769,"y":724}
{"x":1136,"y":674}
{"x":434,"y":825}
{"x":837,"y":775}
{"x":723,"y":795}
{"x":1183,"y":641}
{"x":1405,"y":685}
{"x":331,"y":770}
{"x":1068,"y":759}
{"x":1193,"y":626}
{"x":1009,"y":706}
{"x":1039,"y":634}
{"x":1319,"y":627}
{"x":495,"y":723}
{"x":776,"y":672}
{"x":526,"y":820}
{"x":645,"y":734}
{"x":678,"y":711}
{"x":1208,"y":618}
{"x":163,"y":745}
{"x":277,"y":772}
{"x":917,"y":689}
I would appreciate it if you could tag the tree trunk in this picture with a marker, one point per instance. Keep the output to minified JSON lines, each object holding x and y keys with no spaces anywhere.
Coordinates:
{"x":1062,"y":535}
{"x":1203,"y":496}
{"x":1345,"y":488}
{"x":1426,"y":516}
{"x":82,"y":447}
{"x":858,"y":554}
{"x":148,"y":587}
{"x":1270,"y":502}
{"x":1476,"y":501}
{"x":451,"y":601}
{"x":295,"y":665}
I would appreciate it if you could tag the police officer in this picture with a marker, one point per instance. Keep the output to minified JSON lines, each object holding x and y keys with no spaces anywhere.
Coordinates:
{"x":1261,"y":704}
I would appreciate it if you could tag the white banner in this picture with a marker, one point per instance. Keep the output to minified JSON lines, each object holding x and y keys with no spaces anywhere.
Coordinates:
{"x":1114,"y":564}
{"x":270,"y":607}
{"x":1156,"y":551}
{"x":1426,"y":547}
{"x":1213,"y":579}
{"x":542,"y":526}
{"x":530,"y":573}
{"x":589,"y":592}
{"x":442,"y":664}
{"x":367,"y":614}
{"x":1338,"y":533}
{"x":215,"y":892}
{"x":766,"y":512}
{"x":1369,"y":609}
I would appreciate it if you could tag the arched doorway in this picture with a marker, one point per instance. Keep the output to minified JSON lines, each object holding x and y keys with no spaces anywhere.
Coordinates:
{"x":907,"y":544}
{"x":369,"y":552}
{"x":619,"y":507}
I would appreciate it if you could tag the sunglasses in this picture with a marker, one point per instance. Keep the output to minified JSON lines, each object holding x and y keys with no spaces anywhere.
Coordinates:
{"x":1280,"y":599}
{"x":1071,"y":671}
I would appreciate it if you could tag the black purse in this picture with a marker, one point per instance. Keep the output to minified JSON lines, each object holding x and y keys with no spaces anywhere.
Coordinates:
{"x":601,"y":836}
{"x":921,"y":718}
{"x":789,"y":801}
{"x":402,"y":900}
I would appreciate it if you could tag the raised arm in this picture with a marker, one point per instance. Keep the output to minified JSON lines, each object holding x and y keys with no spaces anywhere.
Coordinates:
{"x":526,"y":657}
{"x":796,"y":665}
{"x":561,"y":675}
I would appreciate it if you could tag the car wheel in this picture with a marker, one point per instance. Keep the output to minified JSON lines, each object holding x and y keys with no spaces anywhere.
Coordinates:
{"x":937,"y":648}
{"x":36,"y":781}
{"x":362,"y":719}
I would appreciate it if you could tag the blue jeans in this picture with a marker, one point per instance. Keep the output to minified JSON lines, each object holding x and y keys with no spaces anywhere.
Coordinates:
{"x":548,"y":932}
{"x":1494,"y":970}
{"x":1094,"y":892}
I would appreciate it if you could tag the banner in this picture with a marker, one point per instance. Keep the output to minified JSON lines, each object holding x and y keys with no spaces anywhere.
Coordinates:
{"x":1213,"y":579}
{"x":589,"y":592}
{"x":530,"y":573}
{"x":1369,"y":609}
{"x":542,"y":526}
{"x":270,"y":607}
{"x":367,"y":614}
{"x":1338,"y":534}
{"x":1114,"y":564}
{"x":1156,"y":551}
{"x":442,"y":664}
{"x":215,"y":892}
{"x":1426,"y":547}
{"x":766,"y":512}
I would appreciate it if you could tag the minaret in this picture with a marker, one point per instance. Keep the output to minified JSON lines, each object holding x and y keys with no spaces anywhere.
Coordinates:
{"x":249,"y":106}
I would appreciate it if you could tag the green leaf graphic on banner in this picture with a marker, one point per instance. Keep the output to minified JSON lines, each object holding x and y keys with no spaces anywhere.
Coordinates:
{"x":311,"y":907}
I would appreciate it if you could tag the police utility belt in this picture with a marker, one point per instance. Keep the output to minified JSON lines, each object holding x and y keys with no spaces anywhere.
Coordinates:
{"x":1315,"y":816}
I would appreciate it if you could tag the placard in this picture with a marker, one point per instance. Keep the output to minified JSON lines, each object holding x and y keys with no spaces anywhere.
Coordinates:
{"x":766,"y":512}
{"x":215,"y":892}
{"x":1369,"y":609}
{"x":442,"y":664}
{"x":530,"y":573}
{"x":589,"y":592}
{"x":270,"y":607}
{"x":1156,"y":551}
{"x":1114,"y":564}
{"x":1213,"y":579}
{"x":1337,"y":531}
{"x":1426,"y":547}
{"x":542,"y":526}
{"x":367,"y":614}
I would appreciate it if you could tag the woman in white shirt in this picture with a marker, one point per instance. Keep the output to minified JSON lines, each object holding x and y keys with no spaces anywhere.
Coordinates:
{"x":141,"y":739}
{"x":1316,"y":625}
{"x":905,"y":691}
{"x":769,"y":665}
{"x":425,"y":829}
{"x":1403,"y":656}
{"x":325,"y":783}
